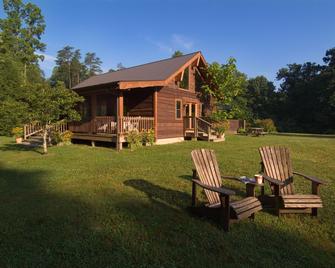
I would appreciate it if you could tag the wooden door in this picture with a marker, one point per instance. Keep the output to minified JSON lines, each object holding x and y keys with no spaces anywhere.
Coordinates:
{"x":190,"y":111}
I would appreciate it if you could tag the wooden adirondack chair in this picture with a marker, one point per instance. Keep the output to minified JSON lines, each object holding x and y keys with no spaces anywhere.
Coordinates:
{"x":277,"y":170}
{"x":207,"y":175}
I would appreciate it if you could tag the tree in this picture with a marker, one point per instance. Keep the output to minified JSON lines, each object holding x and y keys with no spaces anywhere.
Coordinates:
{"x":71,"y":70}
{"x":177,"y":53}
{"x":261,"y":97}
{"x":227,"y":86}
{"x":21,"y":32}
{"x":62,"y":70}
{"x":92,"y":64}
{"x":48,"y":105}
{"x":120,"y":66}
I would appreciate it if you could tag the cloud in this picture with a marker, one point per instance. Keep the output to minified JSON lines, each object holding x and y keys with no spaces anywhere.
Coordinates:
{"x":182,"y":41}
{"x":173,"y":43}
{"x":47,"y":58}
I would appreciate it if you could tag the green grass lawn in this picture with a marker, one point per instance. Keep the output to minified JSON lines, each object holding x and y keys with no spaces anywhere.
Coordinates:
{"x":82,"y":206}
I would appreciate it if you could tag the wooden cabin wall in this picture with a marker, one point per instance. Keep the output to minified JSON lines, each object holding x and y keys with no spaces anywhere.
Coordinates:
{"x":168,"y":126}
{"x":138,"y":102}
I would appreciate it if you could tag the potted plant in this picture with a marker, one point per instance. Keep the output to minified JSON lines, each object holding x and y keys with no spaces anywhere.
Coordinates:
{"x":18,"y":133}
{"x":220,"y":128}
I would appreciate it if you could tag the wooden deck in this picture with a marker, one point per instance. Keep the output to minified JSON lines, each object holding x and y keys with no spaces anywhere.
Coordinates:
{"x":109,"y":129}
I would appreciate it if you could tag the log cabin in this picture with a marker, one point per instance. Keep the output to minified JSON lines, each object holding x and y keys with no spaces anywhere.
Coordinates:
{"x":164,"y":95}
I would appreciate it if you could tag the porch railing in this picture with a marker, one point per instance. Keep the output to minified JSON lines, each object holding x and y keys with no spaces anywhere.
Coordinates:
{"x":110,"y":125}
{"x":36,"y":128}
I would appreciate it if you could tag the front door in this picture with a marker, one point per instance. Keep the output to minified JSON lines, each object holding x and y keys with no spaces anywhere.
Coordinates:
{"x":190,"y":110}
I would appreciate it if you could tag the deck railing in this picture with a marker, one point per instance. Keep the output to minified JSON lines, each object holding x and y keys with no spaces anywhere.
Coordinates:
{"x":31,"y":129}
{"x":36,"y":127}
{"x":139,"y":123}
{"x":110,"y":126}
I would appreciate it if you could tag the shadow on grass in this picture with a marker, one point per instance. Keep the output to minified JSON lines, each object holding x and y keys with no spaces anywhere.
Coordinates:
{"x":237,"y":190}
{"x":155,"y":192}
{"x":306,"y":135}
{"x":44,"y":225}
{"x":20,"y":148}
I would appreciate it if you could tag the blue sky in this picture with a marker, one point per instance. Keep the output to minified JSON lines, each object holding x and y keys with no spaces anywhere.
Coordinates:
{"x":263,"y":35}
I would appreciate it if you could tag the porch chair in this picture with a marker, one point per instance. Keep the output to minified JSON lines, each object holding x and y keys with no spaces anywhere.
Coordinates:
{"x":207,"y":176}
{"x":277,"y":170}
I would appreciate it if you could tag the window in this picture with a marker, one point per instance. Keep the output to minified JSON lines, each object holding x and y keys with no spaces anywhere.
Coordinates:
{"x":85,"y":108}
{"x":178,"y":109}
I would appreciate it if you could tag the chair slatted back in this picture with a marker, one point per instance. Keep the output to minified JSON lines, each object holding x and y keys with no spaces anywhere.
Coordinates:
{"x":277,"y":165}
{"x":208,"y":171}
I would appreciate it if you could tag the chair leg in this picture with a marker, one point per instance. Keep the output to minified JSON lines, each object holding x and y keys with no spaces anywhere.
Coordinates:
{"x":225,"y":212}
{"x":252,"y":217}
{"x":314,"y":212}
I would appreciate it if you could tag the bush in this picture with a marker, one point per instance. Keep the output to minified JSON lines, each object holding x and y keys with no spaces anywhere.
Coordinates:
{"x":134,"y":139}
{"x":267,"y":124}
{"x":61,"y":138}
{"x":221,"y":127}
{"x":242,"y":131}
{"x":17,"y":132}
{"x":66,"y":137}
{"x":150,"y":136}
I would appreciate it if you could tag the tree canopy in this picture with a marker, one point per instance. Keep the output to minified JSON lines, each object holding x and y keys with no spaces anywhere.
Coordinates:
{"x":71,"y":70}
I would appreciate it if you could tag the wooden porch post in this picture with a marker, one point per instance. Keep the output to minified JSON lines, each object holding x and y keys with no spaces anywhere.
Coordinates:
{"x":155,"y":110}
{"x":119,"y":121}
{"x":93,"y":111}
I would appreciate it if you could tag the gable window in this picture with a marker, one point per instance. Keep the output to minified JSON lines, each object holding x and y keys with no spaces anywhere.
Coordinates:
{"x":184,"y":83}
{"x":178,"y":109}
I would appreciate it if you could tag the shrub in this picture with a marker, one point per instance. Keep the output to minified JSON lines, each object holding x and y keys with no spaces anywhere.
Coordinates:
{"x":242,"y":131}
{"x":66,"y":137}
{"x":221,"y":127}
{"x":61,"y":138}
{"x":267,"y":124}
{"x":17,"y":132}
{"x":134,"y":139}
{"x":150,"y":136}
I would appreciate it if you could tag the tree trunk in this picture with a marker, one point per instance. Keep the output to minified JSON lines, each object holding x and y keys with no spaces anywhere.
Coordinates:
{"x":45,"y":145}
{"x":25,"y":73}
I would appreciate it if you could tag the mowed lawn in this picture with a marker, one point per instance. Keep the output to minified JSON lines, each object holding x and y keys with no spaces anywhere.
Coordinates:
{"x":81,"y":206}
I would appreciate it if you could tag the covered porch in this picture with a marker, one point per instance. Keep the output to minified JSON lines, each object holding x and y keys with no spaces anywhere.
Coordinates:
{"x":109,"y":115}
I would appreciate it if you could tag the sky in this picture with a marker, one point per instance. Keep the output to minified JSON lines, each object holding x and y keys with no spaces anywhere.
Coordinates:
{"x":262,"y":35}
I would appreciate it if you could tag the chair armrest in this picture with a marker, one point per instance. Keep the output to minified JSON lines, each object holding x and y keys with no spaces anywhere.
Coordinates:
{"x":221,"y":190}
{"x":272,"y":180}
{"x":313,"y":179}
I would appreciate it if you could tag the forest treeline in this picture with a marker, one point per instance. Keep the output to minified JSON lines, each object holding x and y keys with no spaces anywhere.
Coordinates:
{"x":304,"y":101}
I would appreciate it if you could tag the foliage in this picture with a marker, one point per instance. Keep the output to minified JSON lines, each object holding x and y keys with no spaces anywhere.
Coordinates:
{"x":21,"y":32}
{"x":148,"y":137}
{"x":120,"y":66}
{"x":242,"y":131}
{"x":267,"y":124}
{"x":17,"y":132}
{"x":261,"y":98}
{"x":134,"y":139}
{"x":61,"y":138}
{"x":177,"y":53}
{"x":221,"y":126}
{"x":151,"y":136}
{"x":92,"y":64}
{"x":227,"y":86}
{"x":49,"y":105}
{"x":71,"y":70}
{"x":306,"y":96}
